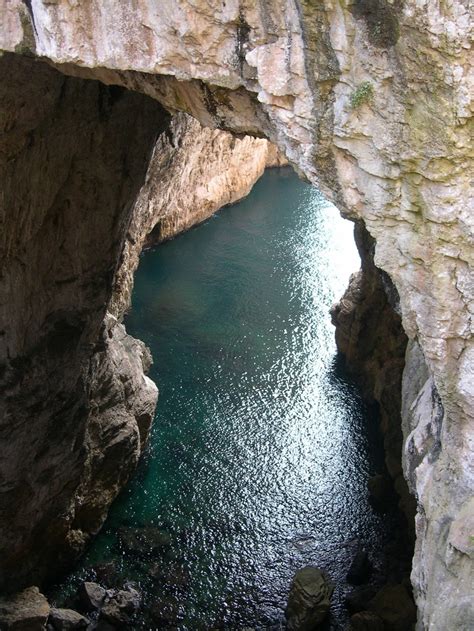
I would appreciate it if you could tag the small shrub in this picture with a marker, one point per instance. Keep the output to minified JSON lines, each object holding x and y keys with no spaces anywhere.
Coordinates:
{"x":363,"y":94}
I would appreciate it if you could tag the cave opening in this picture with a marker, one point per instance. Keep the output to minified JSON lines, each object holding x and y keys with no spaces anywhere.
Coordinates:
{"x":72,"y":145}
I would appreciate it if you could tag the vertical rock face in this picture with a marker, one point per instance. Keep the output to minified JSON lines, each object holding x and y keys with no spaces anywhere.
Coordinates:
{"x":76,"y":406}
{"x":370,"y":335}
{"x":74,"y":401}
{"x":371,"y":101}
{"x":423,"y":417}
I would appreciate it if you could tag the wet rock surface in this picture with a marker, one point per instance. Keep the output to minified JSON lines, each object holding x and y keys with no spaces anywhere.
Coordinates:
{"x":309,"y":600}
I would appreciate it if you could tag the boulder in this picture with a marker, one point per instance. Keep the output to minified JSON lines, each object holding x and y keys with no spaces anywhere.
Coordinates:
{"x":395,"y":606}
{"x":67,"y":620}
{"x":120,"y":607}
{"x":309,"y":600}
{"x":361,"y":568}
{"x":366,"y":621}
{"x":25,"y":611}
{"x":91,"y":596}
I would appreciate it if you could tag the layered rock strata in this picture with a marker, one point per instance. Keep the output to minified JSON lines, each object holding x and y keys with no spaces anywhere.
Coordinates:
{"x":370,"y":100}
{"x":193,"y":172}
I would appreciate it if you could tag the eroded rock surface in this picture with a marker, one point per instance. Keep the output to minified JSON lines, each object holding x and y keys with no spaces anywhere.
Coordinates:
{"x":370,"y":336}
{"x":75,"y":406}
{"x":371,"y":101}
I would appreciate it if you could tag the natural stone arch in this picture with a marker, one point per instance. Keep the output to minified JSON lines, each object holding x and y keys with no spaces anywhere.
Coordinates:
{"x":399,"y":162}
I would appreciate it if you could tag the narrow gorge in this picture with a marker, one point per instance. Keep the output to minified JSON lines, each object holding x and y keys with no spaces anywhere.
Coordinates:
{"x":124,"y":124}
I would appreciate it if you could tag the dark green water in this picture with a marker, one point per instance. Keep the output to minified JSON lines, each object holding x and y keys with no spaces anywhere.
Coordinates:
{"x":261,"y":448}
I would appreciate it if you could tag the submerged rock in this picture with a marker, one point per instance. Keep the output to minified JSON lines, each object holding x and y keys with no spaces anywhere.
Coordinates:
{"x":395,"y":607}
{"x":309,"y":599}
{"x":366,"y":621}
{"x":143,"y":541}
{"x":67,"y":620}
{"x":27,"y":611}
{"x":361,"y":568}
{"x":165,"y":612}
{"x":173,"y":574}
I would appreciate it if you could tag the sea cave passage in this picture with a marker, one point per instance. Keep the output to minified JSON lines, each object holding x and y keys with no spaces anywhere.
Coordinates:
{"x":262,"y":446}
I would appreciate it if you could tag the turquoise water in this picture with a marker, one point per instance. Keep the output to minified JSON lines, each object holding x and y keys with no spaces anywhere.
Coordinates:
{"x":261,"y":447}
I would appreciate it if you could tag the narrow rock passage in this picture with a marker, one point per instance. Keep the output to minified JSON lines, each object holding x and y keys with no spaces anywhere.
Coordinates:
{"x":261,"y":449}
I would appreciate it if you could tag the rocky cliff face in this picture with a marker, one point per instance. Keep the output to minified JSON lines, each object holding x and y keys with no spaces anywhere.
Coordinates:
{"x":104,"y":166}
{"x":193,"y":172}
{"x":75,"y":405}
{"x":370,"y":336}
{"x":370,"y":100}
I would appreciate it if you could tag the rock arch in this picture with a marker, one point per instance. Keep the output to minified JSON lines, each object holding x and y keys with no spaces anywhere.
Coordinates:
{"x":369,"y":100}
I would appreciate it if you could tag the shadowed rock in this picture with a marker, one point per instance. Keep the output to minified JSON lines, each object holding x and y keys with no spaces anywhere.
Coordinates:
{"x":67,"y":620}
{"x":91,"y":596}
{"x":26,"y":611}
{"x":361,"y":568}
{"x":395,"y":607}
{"x":366,"y":621}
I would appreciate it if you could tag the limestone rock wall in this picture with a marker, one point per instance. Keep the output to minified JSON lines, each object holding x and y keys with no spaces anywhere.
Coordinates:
{"x":370,"y":99}
{"x":370,"y":336}
{"x":74,"y":402}
{"x":194,"y":171}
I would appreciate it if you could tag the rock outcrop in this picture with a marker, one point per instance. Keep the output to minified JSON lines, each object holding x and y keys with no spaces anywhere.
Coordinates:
{"x":370,"y":336}
{"x":309,"y":600}
{"x":27,"y":610}
{"x":369,"y":99}
{"x":75,"y":405}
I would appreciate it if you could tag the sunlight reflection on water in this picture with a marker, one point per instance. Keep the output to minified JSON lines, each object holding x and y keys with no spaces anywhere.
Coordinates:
{"x":261,"y":448}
